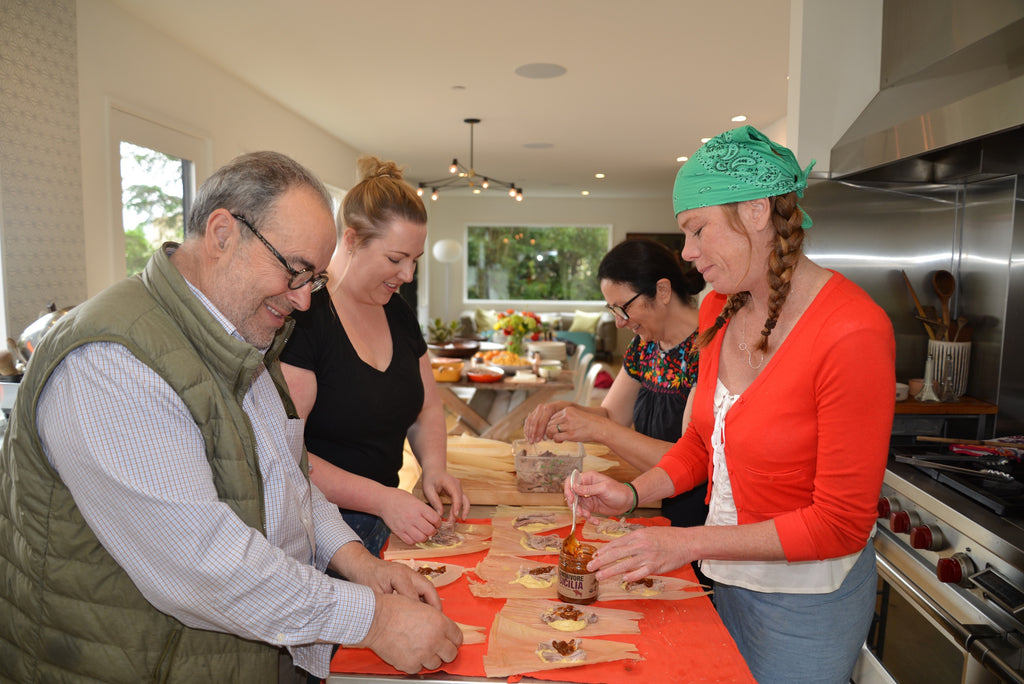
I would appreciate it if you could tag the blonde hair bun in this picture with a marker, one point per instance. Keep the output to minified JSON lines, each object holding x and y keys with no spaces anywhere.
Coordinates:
{"x":373,"y":167}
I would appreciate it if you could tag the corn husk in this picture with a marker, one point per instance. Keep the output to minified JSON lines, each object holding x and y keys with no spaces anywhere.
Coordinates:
{"x":505,"y":540}
{"x":471,"y":634}
{"x":475,"y":538}
{"x":512,"y":650}
{"x":450,"y":574}
{"x":605,"y":528}
{"x":506,"y":516}
{"x":609,"y":620}
{"x":499,"y":574}
{"x":673,"y":588}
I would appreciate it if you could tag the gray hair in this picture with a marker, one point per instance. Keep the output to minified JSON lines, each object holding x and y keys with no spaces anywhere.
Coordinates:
{"x":250,"y":185}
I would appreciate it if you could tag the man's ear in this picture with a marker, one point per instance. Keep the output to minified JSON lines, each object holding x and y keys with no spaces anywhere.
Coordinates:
{"x":221,"y":230}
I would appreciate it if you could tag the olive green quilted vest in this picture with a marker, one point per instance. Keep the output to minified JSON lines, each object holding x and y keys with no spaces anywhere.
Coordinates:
{"x":68,"y":613}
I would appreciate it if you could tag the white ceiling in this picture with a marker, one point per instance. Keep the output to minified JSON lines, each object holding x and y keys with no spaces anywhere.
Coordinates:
{"x":644,"y":80}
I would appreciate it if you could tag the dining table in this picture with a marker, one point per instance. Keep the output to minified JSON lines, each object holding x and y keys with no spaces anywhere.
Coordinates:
{"x":499,"y":424}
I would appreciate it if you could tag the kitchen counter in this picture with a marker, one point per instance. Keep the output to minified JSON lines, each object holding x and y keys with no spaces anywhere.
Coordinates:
{"x":962,"y":408}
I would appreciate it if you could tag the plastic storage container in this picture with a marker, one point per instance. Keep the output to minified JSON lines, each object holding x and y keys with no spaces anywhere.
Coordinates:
{"x":544,"y":465}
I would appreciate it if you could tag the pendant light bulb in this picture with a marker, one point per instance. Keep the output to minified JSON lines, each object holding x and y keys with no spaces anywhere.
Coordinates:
{"x":461,"y":176}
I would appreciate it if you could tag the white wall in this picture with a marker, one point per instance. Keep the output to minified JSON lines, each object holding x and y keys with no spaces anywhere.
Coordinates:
{"x":835,"y":49}
{"x":127,"y":64}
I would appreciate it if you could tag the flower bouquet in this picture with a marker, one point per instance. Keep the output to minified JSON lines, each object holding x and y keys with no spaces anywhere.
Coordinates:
{"x":517,"y":325}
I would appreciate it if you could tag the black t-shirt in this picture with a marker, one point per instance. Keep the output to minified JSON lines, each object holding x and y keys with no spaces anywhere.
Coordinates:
{"x":361,"y":415}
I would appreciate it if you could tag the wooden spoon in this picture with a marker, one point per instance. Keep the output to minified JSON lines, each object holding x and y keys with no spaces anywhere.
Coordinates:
{"x":917,"y":304}
{"x":945,"y":285}
{"x":958,"y":328}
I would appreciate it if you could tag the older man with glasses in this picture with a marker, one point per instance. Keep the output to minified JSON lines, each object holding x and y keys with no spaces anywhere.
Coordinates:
{"x":156,"y":517}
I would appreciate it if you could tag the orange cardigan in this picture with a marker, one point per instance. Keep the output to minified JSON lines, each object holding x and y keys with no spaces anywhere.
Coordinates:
{"x":806,"y":444}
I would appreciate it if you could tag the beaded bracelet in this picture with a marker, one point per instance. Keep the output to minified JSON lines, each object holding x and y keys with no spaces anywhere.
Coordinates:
{"x":636,"y":499}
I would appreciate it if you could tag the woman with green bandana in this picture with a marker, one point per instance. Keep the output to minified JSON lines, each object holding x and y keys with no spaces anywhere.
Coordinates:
{"x":790,"y":425}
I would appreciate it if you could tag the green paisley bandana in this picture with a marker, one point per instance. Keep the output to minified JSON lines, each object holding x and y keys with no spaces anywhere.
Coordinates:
{"x":739,"y":165}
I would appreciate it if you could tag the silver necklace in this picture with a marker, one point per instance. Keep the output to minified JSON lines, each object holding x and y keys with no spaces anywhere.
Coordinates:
{"x":745,"y":348}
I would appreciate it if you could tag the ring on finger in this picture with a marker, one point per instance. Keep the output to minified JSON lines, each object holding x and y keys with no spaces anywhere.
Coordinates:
{"x":559,"y":427}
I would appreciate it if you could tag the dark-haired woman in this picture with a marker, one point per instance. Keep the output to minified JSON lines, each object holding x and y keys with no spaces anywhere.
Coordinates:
{"x":642,"y":414}
{"x":790,"y":424}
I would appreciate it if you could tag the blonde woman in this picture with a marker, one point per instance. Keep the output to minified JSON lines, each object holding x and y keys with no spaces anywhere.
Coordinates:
{"x":358,"y":370}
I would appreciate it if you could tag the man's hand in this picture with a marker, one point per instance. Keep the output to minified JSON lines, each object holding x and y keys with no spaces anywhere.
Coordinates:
{"x":411,"y":636}
{"x":354,"y":563}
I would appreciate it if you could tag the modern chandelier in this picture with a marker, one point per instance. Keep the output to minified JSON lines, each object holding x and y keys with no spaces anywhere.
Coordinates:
{"x":463,"y":177}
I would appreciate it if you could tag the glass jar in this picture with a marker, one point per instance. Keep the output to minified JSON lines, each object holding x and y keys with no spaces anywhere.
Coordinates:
{"x":576,"y":584}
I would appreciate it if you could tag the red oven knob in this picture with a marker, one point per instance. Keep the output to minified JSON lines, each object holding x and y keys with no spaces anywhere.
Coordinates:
{"x":887,"y":506}
{"x":926,"y":537}
{"x":901,"y":521}
{"x":955,"y":569}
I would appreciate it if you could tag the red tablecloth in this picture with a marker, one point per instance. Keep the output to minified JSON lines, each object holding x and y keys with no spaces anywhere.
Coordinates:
{"x":680,"y":640}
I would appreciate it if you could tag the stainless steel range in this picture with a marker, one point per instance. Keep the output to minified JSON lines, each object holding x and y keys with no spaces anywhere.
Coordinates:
{"x":951,"y":559}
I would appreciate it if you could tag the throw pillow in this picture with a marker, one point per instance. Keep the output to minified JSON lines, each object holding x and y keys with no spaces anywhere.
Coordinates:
{"x":485,"y":320}
{"x":585,"y":321}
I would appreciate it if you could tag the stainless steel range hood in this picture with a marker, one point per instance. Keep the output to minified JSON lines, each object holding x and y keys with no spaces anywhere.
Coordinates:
{"x":931,"y":176}
{"x":951,"y":103}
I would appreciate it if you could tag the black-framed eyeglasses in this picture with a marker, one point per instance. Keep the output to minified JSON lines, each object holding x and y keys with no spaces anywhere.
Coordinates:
{"x":620,"y":311}
{"x":298,"y":278}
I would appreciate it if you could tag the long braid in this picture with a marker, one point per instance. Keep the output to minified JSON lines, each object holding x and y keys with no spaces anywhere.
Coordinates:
{"x":789,"y":239}
{"x":734,"y":303}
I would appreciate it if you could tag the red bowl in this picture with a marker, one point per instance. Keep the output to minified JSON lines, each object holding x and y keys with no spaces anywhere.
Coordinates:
{"x":485,"y":374}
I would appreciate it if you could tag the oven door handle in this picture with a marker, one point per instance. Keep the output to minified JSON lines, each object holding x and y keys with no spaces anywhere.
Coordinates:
{"x":969,"y":637}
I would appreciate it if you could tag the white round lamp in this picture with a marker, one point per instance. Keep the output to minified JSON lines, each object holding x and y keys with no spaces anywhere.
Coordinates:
{"x":447,"y":252}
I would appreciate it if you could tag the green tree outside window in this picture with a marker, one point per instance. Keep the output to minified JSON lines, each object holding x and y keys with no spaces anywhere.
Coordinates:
{"x":523,"y":263}
{"x":152,"y":200}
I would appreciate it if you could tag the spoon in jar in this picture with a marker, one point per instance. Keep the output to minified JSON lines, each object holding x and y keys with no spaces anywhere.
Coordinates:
{"x":570,"y":541}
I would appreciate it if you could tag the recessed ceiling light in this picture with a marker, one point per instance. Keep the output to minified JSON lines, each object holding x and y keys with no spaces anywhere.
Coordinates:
{"x":584,"y":192}
{"x":681,"y":159}
{"x":538,"y":146}
{"x":540,"y":70}
{"x":704,"y":140}
{"x":598,"y":175}
{"x":739,"y":118}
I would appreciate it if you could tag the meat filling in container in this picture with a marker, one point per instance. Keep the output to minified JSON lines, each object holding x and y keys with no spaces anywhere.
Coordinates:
{"x":543,"y":466}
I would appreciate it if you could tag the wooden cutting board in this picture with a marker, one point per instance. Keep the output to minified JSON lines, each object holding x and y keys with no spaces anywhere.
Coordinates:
{"x":486,"y":469}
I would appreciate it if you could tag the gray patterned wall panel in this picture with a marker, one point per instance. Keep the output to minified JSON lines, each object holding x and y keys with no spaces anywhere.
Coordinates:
{"x":41,"y":222}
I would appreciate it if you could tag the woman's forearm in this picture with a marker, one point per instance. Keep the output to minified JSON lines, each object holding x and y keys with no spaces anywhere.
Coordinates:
{"x":640,"y":451}
{"x":345,"y":489}
{"x":429,"y":440}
